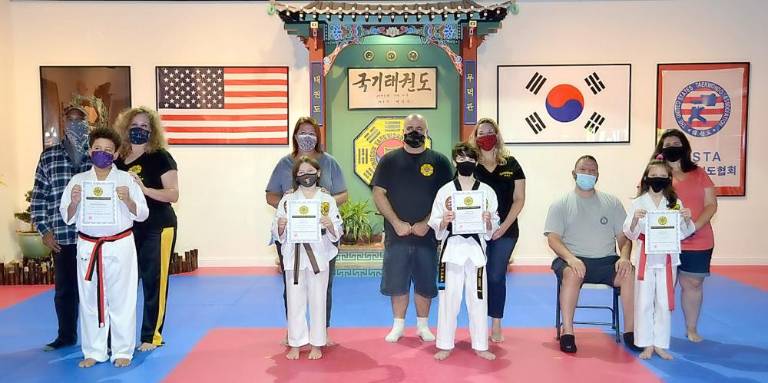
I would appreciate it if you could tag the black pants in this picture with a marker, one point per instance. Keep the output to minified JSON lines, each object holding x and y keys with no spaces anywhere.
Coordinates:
{"x":66,"y":299}
{"x":329,"y":292}
{"x":154,"y":248}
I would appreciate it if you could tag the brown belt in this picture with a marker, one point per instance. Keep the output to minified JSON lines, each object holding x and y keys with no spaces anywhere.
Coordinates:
{"x":297,"y":255}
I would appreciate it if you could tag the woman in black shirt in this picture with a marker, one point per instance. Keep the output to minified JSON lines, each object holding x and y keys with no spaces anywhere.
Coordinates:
{"x":155,"y":171}
{"x":503,"y":173}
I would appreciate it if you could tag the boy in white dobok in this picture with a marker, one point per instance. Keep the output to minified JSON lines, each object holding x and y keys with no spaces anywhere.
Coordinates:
{"x":106,"y":253}
{"x":306,"y":264}
{"x":462,"y":259}
{"x":656,"y":273}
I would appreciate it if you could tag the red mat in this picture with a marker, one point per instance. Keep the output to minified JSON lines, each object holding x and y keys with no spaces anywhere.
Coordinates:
{"x":11,"y":295}
{"x":362,"y":355}
{"x":755,"y":276}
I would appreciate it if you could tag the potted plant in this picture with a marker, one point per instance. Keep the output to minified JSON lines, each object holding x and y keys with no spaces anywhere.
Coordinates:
{"x":30,"y":241}
{"x":357,"y":223}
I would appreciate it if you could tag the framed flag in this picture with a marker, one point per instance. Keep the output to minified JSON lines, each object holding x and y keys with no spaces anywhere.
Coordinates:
{"x":223,"y":105}
{"x":103,"y":91}
{"x":709,"y":103}
{"x":544,"y":104}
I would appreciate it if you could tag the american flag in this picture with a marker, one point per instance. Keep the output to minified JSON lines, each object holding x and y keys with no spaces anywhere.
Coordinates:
{"x":223,"y":105}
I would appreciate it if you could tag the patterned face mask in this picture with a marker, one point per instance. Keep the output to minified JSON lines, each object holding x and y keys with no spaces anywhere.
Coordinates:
{"x":138,"y":136}
{"x":306,"y":142}
{"x":102,"y":159}
{"x":77,"y":133}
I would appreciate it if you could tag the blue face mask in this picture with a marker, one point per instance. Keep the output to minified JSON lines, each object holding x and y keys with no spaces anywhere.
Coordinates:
{"x":585,"y":181}
{"x":138,"y":136}
{"x":77,"y":133}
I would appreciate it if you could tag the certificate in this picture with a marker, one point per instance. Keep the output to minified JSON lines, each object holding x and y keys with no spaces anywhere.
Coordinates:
{"x":303,"y":221}
{"x":662,"y":232}
{"x":98,"y":203}
{"x":468,"y":207}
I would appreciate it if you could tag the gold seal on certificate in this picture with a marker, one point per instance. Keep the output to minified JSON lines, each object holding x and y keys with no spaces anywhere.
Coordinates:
{"x":303,"y":221}
{"x":99,"y":203}
{"x":469,"y":207}
{"x":662,"y":232}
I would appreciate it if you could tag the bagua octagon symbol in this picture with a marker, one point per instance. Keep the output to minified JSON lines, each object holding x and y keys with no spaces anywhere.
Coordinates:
{"x":702,"y":108}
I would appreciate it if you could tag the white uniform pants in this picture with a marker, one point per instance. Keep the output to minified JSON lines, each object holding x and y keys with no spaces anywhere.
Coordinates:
{"x":120,"y":284}
{"x":652,"y":315}
{"x":311,"y":291}
{"x":462,"y":280}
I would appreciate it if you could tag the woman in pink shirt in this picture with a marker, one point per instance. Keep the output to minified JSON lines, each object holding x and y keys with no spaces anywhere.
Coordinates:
{"x":696,"y":190}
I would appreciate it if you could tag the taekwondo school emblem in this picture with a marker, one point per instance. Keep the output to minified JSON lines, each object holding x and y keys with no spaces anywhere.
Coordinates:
{"x":427,"y":170}
{"x":325,"y":207}
{"x":303,"y":210}
{"x":98,"y":191}
{"x":468,"y":201}
{"x":136,"y":169}
{"x":677,"y":206}
{"x":702,"y":108}
{"x":663,"y":221}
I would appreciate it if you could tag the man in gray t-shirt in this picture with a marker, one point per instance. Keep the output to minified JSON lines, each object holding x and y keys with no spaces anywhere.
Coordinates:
{"x":583,"y":229}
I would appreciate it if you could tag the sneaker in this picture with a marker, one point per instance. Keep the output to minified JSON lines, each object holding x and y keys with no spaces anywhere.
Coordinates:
{"x":629,"y":341}
{"x":57,"y":344}
{"x":568,"y":343}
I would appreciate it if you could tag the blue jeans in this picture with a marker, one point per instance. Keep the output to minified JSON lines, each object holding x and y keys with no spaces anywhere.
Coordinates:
{"x":498,"y":253}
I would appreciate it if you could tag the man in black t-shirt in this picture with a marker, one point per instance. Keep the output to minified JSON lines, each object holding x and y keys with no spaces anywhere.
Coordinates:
{"x":404,"y":186}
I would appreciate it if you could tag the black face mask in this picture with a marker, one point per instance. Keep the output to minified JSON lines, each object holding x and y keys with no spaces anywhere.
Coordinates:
{"x":673,"y":153}
{"x":414,"y":139}
{"x":307,"y":180}
{"x":466,"y":168}
{"x":658,"y":183}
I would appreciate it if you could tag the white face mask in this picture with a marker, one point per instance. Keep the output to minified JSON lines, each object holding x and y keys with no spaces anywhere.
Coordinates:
{"x":306,"y":142}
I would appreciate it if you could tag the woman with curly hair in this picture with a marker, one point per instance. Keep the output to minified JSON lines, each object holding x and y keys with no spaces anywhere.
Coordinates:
{"x":154,"y":169}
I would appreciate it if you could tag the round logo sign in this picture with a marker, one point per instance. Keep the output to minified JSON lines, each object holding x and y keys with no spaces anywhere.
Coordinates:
{"x":325,"y":207}
{"x":381,"y":136}
{"x":662,"y":220}
{"x":427,"y":170}
{"x":98,"y":191}
{"x":136,"y":169}
{"x":303,"y":210}
{"x":468,"y":201}
{"x":702,"y":108}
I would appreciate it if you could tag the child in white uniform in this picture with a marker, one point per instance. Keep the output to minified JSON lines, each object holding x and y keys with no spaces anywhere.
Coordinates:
{"x":306,"y":264}
{"x":656,"y":273}
{"x":106,"y":254}
{"x":462,"y":258}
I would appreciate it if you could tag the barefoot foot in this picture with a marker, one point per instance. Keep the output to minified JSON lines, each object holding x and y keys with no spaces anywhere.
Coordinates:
{"x":487,"y":355}
{"x":292,"y":354}
{"x":647,"y":353}
{"x":122,"y":362}
{"x":144,"y":347}
{"x":442,"y":354}
{"x":694,"y":336}
{"x":663,"y":353}
{"x":496,"y":335}
{"x":87,"y":363}
{"x":315,"y":353}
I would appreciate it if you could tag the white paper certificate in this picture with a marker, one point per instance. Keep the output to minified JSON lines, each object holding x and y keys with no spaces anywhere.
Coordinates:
{"x":303,"y":221}
{"x":99,"y":203}
{"x":468,"y":207}
{"x":662,"y":232}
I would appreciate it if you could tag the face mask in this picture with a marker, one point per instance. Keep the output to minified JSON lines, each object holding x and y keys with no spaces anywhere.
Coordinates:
{"x":585,"y":181}
{"x":138,"y":136}
{"x":658,"y":183}
{"x":414,"y":139}
{"x":77,"y":133}
{"x":466,"y":168}
{"x":673,"y":153}
{"x":102,"y":159}
{"x":486,"y":143}
{"x":306,"y":142}
{"x":307,"y":180}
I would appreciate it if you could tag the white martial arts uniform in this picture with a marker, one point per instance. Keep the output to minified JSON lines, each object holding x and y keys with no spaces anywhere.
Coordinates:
{"x":312,"y":287}
{"x":655,"y":285}
{"x":119,"y":268}
{"x":463,"y":256}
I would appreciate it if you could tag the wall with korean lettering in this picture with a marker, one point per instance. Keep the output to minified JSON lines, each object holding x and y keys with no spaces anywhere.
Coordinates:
{"x":222,"y":210}
{"x":642,"y":33}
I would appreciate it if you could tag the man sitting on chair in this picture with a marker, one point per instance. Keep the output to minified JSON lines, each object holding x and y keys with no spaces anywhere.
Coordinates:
{"x":583,"y":228}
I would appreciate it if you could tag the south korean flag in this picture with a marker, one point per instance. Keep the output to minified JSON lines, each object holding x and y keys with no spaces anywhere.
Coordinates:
{"x":564,"y":103}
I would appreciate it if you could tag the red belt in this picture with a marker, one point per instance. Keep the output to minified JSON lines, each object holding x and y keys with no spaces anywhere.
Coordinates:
{"x":668,"y":267}
{"x":96,"y":261}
